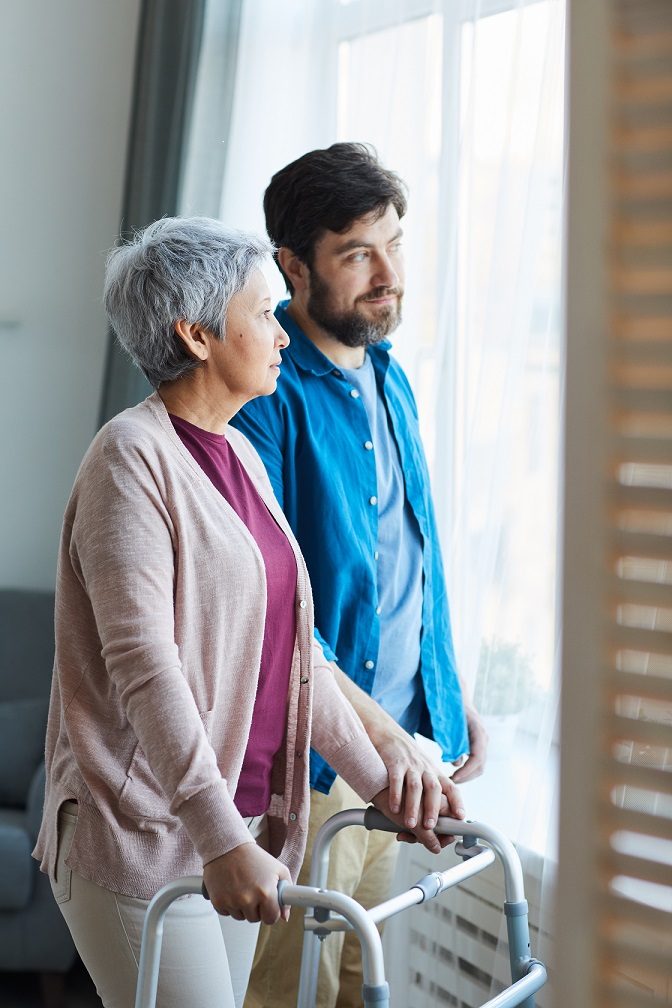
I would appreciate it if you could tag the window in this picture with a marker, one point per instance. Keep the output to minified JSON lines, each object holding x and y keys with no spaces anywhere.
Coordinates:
{"x":465,"y":101}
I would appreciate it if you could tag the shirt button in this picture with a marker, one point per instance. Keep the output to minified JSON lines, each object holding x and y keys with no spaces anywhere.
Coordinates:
{"x":369,"y":664}
{"x":368,"y":445}
{"x":336,"y":373}
{"x":375,"y":555}
{"x":379,"y":609}
{"x":292,"y":816}
{"x":354,"y":393}
{"x":373,"y":500}
{"x":303,"y":603}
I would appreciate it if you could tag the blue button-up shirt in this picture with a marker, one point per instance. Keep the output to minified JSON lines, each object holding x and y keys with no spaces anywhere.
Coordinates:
{"x":312,"y":435}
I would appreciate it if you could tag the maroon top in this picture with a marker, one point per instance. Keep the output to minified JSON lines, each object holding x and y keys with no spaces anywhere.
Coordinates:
{"x":223,"y":467}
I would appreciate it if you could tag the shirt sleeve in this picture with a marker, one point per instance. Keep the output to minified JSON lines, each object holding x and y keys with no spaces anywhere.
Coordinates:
{"x":339,"y":736}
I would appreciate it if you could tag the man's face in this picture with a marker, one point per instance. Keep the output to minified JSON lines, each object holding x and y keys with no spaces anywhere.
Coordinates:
{"x":356,"y":281}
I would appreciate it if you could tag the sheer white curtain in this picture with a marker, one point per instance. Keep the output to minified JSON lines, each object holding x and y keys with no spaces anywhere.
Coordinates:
{"x":464,"y":98}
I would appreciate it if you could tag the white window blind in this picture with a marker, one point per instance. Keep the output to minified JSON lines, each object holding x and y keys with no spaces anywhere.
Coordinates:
{"x":616,"y":859}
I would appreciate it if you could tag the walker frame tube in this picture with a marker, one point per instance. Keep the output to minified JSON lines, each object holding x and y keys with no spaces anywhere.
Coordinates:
{"x":528,"y":974}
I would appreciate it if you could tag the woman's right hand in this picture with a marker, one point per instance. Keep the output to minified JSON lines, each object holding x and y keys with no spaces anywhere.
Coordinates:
{"x":243,"y":884}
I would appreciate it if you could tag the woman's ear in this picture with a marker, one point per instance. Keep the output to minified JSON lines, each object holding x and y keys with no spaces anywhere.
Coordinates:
{"x":194,"y":337}
{"x":294,"y":268}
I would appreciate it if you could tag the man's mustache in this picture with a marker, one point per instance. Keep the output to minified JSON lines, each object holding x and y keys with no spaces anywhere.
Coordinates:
{"x":380,"y":292}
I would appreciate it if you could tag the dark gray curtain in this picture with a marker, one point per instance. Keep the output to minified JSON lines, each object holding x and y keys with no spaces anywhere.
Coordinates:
{"x":168,"y":51}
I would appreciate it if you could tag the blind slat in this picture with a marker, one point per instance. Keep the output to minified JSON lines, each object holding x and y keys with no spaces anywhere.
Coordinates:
{"x":638,"y":868}
{"x":636,"y":639}
{"x":613,"y":907}
{"x":621,"y":589}
{"x":638,"y":955}
{"x":623,"y":497}
{"x":630,"y":998}
{"x":636,"y":822}
{"x":648,"y":778}
{"x":634,"y":730}
{"x":643,"y":449}
{"x":650,"y":687}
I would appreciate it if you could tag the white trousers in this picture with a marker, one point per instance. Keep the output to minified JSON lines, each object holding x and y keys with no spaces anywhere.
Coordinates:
{"x":205,"y":959}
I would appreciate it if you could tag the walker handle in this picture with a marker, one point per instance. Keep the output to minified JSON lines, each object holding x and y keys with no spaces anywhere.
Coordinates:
{"x":281,"y":885}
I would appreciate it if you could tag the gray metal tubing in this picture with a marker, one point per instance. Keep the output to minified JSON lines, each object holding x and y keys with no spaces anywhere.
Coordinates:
{"x":373,"y":966}
{"x":445,"y":880}
{"x":513,"y":872}
{"x":319,"y":863}
{"x":521,"y":989}
{"x":152,"y":937}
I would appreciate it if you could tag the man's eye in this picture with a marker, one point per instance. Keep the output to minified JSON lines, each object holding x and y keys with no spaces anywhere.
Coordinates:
{"x":358,"y":257}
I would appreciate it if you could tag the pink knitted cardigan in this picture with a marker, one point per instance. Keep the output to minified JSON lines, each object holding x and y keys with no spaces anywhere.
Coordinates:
{"x":160,"y":607}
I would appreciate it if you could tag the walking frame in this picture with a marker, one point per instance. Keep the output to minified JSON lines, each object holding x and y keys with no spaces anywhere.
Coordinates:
{"x":329,"y":911}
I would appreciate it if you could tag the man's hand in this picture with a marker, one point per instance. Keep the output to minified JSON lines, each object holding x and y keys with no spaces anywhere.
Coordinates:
{"x":243,"y":884}
{"x":478,"y":747}
{"x":419,"y":792}
{"x":418,"y":833}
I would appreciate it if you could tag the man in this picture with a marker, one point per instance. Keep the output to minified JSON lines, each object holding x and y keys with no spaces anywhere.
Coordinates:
{"x":341,"y":444}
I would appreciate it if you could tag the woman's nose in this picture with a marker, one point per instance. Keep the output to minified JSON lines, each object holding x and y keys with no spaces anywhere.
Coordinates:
{"x":281,"y":337}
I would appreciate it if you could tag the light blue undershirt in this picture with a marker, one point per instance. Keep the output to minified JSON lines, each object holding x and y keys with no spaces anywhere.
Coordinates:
{"x":397,"y":685}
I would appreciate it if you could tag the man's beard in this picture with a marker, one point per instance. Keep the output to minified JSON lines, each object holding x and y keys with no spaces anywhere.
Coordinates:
{"x":353,"y":328}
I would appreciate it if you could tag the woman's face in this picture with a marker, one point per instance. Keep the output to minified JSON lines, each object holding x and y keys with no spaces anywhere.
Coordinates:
{"x":248,"y":360}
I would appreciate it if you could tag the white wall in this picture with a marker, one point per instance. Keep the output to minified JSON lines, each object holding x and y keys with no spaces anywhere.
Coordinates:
{"x":66,"y":74}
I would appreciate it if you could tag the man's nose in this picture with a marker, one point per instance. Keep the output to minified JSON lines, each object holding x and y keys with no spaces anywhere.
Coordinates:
{"x":385,"y":274}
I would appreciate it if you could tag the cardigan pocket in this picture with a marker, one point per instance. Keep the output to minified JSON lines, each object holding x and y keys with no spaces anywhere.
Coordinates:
{"x":141,"y":796}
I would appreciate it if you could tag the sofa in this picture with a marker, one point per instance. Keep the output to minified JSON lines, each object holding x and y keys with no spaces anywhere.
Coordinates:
{"x":33,"y":934}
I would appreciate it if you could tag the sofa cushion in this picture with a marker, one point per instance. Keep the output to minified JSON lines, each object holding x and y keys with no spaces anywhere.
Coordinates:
{"x":23,"y":725}
{"x":17,"y":867}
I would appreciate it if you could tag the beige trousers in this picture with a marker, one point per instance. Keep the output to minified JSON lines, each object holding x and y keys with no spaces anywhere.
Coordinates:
{"x":205,"y":958}
{"x":361,"y":865}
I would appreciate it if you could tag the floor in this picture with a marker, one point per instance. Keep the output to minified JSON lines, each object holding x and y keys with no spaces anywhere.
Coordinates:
{"x":22,"y":990}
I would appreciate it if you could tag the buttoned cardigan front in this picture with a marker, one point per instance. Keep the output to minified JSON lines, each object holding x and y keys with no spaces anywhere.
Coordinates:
{"x":160,"y":610}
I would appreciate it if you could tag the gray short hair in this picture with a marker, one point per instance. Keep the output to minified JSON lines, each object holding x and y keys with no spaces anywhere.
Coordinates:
{"x":176,"y":268}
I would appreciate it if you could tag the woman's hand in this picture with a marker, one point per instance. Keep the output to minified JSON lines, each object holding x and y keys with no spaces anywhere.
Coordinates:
{"x":243,"y":884}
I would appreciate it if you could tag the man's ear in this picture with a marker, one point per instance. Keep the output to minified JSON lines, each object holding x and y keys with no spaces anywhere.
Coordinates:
{"x":194,"y":337}
{"x":294,"y":268}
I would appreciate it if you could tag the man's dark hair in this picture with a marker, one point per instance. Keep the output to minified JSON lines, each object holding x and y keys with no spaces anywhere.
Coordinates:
{"x":327,"y":190}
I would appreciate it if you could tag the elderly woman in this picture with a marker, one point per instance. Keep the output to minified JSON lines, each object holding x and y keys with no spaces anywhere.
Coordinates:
{"x":186,"y":669}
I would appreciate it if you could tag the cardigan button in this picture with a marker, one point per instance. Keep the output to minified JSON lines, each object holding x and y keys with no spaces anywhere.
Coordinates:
{"x":304,"y":680}
{"x":303,"y":603}
{"x":299,"y":754}
{"x":292,"y":816}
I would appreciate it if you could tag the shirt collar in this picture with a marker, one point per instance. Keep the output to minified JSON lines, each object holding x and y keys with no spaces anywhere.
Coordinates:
{"x":303,"y":351}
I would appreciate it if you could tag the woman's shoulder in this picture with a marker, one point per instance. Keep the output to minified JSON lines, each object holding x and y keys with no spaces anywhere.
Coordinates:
{"x":136,"y":431}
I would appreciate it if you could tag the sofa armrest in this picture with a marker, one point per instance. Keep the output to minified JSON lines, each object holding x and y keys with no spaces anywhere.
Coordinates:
{"x":35,"y":801}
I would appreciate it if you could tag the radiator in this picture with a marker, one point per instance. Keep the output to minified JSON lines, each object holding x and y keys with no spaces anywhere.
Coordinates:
{"x":451,"y":952}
